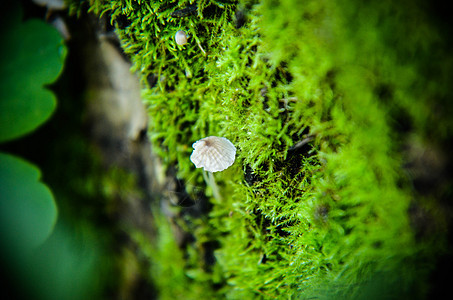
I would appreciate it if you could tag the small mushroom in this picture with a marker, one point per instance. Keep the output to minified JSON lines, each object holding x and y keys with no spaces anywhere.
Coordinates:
{"x":181,"y":38}
{"x":213,"y":154}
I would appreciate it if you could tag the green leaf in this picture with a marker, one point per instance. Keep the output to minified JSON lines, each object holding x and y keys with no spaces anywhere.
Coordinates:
{"x":27,"y":209}
{"x":31,"y":55}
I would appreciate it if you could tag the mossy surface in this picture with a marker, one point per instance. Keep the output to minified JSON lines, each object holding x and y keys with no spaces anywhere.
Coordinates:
{"x":321,"y":101}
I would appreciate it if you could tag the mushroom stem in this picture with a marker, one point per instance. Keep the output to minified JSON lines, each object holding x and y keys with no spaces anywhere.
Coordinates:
{"x":210,"y":181}
{"x":201,"y":48}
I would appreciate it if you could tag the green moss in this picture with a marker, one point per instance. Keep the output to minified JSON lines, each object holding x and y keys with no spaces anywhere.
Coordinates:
{"x":325,"y":217}
{"x":176,"y":275}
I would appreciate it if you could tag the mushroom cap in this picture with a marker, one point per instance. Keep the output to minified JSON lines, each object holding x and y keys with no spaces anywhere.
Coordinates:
{"x":181,"y":37}
{"x":213,"y":153}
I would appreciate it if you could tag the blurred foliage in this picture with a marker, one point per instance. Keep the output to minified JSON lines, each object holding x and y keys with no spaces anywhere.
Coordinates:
{"x":33,"y":57}
{"x":41,"y":257}
{"x":28,"y":210}
{"x":321,"y":99}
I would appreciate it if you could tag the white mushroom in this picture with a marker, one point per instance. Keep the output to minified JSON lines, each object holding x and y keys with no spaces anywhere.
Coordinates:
{"x":213,"y":154}
{"x":181,"y":38}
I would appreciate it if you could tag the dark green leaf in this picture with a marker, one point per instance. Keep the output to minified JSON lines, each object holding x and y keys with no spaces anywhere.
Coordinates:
{"x":31,"y":56}
{"x":27,"y":208}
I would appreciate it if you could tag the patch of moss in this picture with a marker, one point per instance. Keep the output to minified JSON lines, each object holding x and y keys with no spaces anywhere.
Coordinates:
{"x":176,"y":273}
{"x":319,"y":98}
